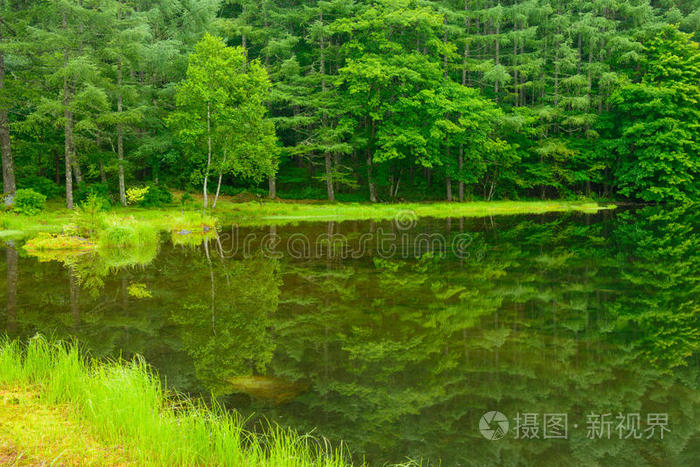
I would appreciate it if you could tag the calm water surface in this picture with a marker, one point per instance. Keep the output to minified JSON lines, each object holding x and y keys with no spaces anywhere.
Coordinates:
{"x":397,"y":337}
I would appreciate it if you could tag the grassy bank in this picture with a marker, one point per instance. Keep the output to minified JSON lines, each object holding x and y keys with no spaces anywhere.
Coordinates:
{"x":282,"y":212}
{"x":175,"y":219}
{"x":112,"y":413}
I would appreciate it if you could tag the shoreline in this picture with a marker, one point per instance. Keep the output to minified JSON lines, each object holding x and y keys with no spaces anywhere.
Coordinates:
{"x":281,"y":212}
{"x":59,"y":405}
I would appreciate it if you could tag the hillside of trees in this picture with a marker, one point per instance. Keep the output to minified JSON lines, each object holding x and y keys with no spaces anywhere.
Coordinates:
{"x":351,"y":99}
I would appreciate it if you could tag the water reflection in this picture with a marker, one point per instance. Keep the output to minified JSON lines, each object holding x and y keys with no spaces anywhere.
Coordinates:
{"x":400,"y":355}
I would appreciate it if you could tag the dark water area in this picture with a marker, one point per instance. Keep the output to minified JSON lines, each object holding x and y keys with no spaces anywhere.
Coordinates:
{"x":400,"y":337}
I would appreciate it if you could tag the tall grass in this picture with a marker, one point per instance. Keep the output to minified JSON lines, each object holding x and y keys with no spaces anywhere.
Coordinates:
{"x":126,"y":404}
{"x":123,"y":231}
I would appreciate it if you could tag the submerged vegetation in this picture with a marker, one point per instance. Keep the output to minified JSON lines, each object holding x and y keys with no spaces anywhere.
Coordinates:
{"x":124,"y":404}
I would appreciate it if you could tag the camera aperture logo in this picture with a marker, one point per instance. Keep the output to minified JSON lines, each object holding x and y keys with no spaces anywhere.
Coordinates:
{"x":493,"y":425}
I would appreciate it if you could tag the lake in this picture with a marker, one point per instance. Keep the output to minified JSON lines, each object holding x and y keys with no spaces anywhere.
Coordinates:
{"x":567,"y":339}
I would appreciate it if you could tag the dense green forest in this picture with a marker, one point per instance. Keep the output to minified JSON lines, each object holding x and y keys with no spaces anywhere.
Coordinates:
{"x":352,"y":100}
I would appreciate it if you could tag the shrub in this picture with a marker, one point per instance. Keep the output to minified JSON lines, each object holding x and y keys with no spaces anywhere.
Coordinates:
{"x":186,"y":199}
{"x":136,"y":194}
{"x":156,"y":196}
{"x":88,"y":217}
{"x":29,"y":202}
{"x":41,"y":185}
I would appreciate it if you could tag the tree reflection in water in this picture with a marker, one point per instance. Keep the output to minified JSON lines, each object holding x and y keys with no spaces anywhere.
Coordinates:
{"x":400,"y":356}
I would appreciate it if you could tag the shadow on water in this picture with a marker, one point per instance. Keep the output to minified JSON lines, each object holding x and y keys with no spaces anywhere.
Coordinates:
{"x":397,"y":337}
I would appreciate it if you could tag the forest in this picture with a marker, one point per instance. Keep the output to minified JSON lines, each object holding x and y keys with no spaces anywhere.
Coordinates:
{"x":351,"y":100}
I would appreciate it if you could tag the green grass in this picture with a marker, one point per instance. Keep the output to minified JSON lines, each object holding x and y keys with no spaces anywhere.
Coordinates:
{"x":125,"y":404}
{"x":169,"y":219}
{"x":280,"y":212}
{"x":120,"y":231}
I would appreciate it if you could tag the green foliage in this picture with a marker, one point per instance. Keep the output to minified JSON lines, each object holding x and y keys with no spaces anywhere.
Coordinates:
{"x":119,"y":232}
{"x":41,"y":185}
{"x":156,"y":196}
{"x":88,"y":216}
{"x":136,"y":194}
{"x":414,"y":100}
{"x":657,"y":123}
{"x":28,"y":202}
{"x":186,"y":199}
{"x":94,"y":190}
{"x":221,"y":112}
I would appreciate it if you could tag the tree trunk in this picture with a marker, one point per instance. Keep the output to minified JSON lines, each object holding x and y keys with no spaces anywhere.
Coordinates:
{"x":272,"y":185}
{"x":218,"y":188}
{"x":370,"y":180}
{"x":556,"y":74}
{"x":74,"y":163}
{"x":329,"y":178}
{"x":327,"y":156}
{"x":448,"y":179}
{"x":8,"y":166}
{"x":206,"y":172}
{"x":515,"y":66}
{"x":466,"y":74}
{"x":68,"y":139}
{"x":497,"y":52}
{"x":103,"y":176}
{"x":218,"y":184}
{"x":68,"y":132}
{"x":120,"y":136}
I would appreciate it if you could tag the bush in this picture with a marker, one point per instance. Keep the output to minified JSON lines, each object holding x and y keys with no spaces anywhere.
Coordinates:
{"x":88,"y":217}
{"x":29,"y":202}
{"x":136,"y":194}
{"x":41,"y":185}
{"x":186,"y":199}
{"x":156,"y":196}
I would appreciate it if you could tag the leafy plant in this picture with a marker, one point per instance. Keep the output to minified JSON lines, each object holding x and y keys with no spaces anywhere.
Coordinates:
{"x":88,"y":217}
{"x":100,"y":190}
{"x":28,"y":202}
{"x":41,"y":185}
{"x":136,"y":194}
{"x":156,"y":196}
{"x":186,"y":199}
